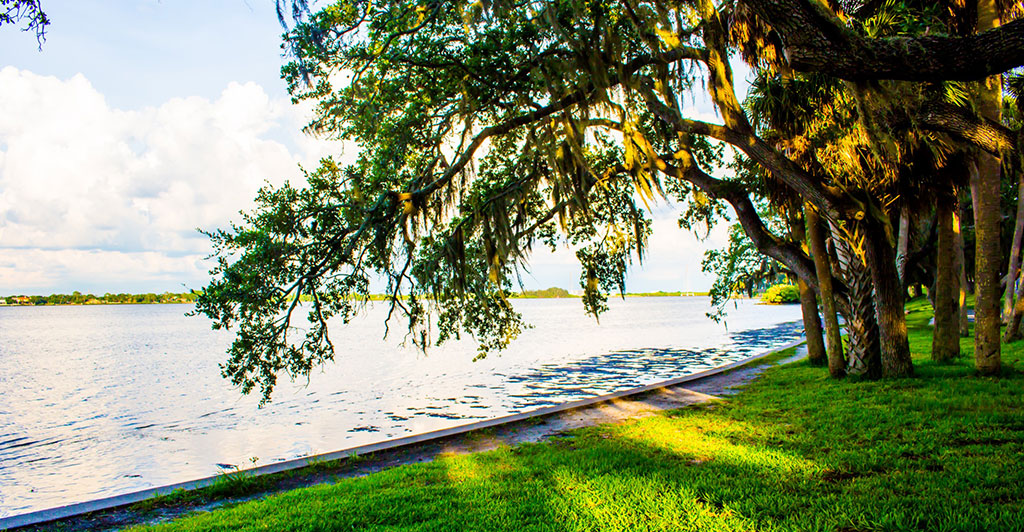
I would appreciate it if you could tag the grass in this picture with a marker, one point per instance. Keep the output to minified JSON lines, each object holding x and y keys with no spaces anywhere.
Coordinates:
{"x":793,"y":451}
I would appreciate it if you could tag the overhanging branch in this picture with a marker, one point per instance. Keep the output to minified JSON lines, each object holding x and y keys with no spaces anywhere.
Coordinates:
{"x":816,"y":41}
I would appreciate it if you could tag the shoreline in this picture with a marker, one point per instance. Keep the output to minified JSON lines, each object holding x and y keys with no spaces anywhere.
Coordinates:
{"x":2,"y":305}
{"x":373,"y":298}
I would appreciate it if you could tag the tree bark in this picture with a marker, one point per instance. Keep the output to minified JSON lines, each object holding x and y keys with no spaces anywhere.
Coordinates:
{"x":987,"y":256}
{"x":863,"y":355}
{"x":889,"y":302}
{"x":1013,"y":268}
{"x":833,"y":335}
{"x":961,"y":269}
{"x":903,"y":245}
{"x":808,"y":302}
{"x":965,"y":126}
{"x":1013,"y":330}
{"x":946,"y":337}
{"x":815,"y":40}
{"x":812,"y":324}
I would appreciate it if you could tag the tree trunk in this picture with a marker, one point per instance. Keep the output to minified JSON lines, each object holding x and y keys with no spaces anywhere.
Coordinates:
{"x":946,"y":337}
{"x":903,"y":245}
{"x":1013,"y":333}
{"x":1013,"y":330}
{"x":812,"y":324}
{"x":1013,"y":269}
{"x":961,"y":268}
{"x":987,"y":262}
{"x":808,"y":300}
{"x":863,"y":352}
{"x":833,"y":336}
{"x":987,"y":256}
{"x":861,"y":326}
{"x":889,"y":302}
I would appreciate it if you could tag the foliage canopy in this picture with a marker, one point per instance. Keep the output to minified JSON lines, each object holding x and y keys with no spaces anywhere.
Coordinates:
{"x":486,"y":129}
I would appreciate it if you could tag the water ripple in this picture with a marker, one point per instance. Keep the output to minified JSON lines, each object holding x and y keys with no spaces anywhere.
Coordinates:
{"x":123,"y":398}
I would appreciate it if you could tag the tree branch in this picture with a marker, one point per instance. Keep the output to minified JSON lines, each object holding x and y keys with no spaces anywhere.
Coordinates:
{"x":561,"y":104}
{"x":990,"y":136}
{"x":766,"y":242}
{"x":830,"y":202}
{"x":816,"y":41}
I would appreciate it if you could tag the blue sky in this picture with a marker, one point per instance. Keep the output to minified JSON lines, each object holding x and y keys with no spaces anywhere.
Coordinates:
{"x":141,"y":53}
{"x":141,"y":120}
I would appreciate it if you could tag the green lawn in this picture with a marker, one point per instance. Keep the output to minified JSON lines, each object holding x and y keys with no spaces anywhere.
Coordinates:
{"x":794,"y":451}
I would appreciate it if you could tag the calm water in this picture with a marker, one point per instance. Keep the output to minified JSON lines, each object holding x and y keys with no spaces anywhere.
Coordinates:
{"x":98,"y":401}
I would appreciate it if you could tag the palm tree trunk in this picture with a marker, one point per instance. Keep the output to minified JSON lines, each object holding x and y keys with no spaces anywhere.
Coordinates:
{"x":1013,"y":269}
{"x":889,"y":302}
{"x":861,"y":326}
{"x":1013,"y":332}
{"x":864,"y":356}
{"x":808,"y":301}
{"x":903,"y":245}
{"x":833,"y":336}
{"x":987,"y":256}
{"x":987,"y":262}
{"x":946,"y":337}
{"x":961,"y":268}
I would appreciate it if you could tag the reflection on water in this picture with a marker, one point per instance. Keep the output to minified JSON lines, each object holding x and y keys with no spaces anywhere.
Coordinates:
{"x":97,"y":401}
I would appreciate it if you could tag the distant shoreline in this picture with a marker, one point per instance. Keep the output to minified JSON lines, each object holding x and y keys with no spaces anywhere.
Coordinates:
{"x":561,"y":293}
{"x":2,"y":304}
{"x":79,"y":300}
{"x":672,"y":294}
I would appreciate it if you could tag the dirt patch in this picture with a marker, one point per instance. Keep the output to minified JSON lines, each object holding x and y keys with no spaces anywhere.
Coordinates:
{"x":833,"y":476}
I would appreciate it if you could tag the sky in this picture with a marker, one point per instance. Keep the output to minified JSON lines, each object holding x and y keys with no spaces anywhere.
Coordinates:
{"x":141,"y":121}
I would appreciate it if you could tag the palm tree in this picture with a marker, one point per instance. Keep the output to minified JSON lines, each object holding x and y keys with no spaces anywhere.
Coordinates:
{"x":985,"y":184}
{"x":864,"y":357}
{"x":946,"y":339}
{"x":1013,"y":117}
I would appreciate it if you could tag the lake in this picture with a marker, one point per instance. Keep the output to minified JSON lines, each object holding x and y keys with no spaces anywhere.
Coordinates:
{"x":97,"y":401}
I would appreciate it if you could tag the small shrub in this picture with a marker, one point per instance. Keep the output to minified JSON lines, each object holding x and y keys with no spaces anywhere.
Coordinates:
{"x":781,"y":293}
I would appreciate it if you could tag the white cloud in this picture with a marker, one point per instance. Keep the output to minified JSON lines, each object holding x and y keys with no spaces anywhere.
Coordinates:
{"x":128,"y":188}
{"x":39,"y":271}
{"x":94,"y":198}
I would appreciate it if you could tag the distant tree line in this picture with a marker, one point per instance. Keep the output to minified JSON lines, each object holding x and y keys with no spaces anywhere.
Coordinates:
{"x":553,"y":292}
{"x":78,"y":298}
